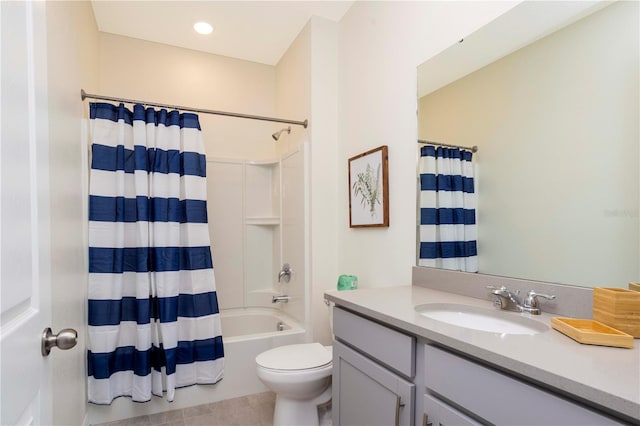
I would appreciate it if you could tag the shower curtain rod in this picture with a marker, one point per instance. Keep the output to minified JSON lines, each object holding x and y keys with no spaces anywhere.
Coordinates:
{"x":85,"y":95}
{"x":472,"y":149}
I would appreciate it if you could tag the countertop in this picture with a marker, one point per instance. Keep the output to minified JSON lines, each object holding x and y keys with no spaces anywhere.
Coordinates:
{"x":605,"y":376}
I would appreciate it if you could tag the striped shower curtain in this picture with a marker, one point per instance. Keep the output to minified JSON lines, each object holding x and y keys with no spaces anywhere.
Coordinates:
{"x":448,"y":231}
{"x":154,"y":323}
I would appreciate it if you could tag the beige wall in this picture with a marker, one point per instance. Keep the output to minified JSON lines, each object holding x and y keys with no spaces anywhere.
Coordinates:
{"x":72,"y":65}
{"x":381,"y":45}
{"x":293,"y":91}
{"x":136,"y":69}
{"x":556,"y":124}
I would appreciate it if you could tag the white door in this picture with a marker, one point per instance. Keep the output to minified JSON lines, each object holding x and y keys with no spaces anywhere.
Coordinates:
{"x":25,"y":391}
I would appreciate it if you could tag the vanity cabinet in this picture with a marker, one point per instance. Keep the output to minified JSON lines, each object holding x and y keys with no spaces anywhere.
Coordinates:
{"x":373,"y":366}
{"x":382,"y":376}
{"x":491,"y":396}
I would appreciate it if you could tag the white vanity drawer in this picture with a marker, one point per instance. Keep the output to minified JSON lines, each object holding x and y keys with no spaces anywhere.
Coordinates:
{"x":390,"y":347}
{"x":499,"y":398}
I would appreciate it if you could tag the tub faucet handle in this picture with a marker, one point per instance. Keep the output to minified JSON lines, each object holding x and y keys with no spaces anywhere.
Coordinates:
{"x":285,"y":273}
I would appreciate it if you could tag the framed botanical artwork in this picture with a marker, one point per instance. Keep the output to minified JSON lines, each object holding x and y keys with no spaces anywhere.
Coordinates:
{"x":369,"y":188}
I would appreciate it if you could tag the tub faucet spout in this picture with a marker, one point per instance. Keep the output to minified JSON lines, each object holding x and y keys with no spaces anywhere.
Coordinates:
{"x":283,"y":298}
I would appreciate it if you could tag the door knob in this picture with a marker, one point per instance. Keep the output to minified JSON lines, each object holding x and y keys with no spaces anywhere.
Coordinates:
{"x":64,"y":340}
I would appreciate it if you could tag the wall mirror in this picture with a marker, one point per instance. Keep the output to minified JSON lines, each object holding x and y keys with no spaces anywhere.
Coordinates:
{"x":548,"y":92}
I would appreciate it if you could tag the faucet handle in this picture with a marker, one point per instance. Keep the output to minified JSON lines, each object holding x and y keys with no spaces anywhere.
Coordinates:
{"x":531,"y":301}
{"x":285,"y":272}
{"x":500,"y":301}
{"x":494,"y":289}
{"x":502,"y":291}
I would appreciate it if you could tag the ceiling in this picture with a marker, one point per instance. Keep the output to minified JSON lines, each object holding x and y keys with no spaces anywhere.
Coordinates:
{"x":257,"y":31}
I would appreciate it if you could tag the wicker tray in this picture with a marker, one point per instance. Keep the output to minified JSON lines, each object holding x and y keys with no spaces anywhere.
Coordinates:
{"x":592,"y":332}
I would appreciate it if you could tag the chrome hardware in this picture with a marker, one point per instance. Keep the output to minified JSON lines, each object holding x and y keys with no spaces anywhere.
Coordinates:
{"x":64,"y":340}
{"x":529,"y":305}
{"x":285,"y":273}
{"x":425,"y":420}
{"x":531,"y":301}
{"x":502,"y":297}
{"x":283,"y":298}
{"x":500,"y":303}
{"x":279,"y":326}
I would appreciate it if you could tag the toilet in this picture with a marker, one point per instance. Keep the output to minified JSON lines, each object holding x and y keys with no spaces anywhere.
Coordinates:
{"x":300,"y":375}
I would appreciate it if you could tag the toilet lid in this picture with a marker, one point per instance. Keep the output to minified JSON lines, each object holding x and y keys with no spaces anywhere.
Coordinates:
{"x":295,"y":357}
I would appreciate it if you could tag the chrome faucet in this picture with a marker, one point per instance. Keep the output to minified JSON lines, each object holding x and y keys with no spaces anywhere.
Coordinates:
{"x":285,"y":273}
{"x":283,"y":298}
{"x":530,"y":303}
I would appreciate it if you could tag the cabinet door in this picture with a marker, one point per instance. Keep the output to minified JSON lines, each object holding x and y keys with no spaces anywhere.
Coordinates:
{"x":499,"y":398}
{"x":365,"y":393}
{"x":437,"y":413}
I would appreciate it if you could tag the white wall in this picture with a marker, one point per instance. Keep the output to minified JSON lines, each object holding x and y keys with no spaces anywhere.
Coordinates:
{"x":325,"y":185}
{"x":137,"y":69}
{"x":307,"y":88}
{"x":381,"y":45}
{"x":293,"y":100}
{"x":558,"y":149}
{"x":72,"y":65}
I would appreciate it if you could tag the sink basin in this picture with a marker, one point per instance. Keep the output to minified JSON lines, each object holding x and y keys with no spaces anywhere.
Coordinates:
{"x":482,"y":319}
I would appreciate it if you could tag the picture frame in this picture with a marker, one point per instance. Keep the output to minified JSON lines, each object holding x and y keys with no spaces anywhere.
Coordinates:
{"x":369,"y":189}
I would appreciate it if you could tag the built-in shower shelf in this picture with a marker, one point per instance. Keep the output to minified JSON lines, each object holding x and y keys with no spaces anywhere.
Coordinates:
{"x":263,"y":221}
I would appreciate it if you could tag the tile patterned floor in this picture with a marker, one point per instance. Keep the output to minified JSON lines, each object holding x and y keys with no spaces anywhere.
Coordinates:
{"x":251,"y":410}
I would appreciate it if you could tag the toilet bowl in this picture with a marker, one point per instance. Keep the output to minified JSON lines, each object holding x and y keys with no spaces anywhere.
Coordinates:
{"x":300,"y":375}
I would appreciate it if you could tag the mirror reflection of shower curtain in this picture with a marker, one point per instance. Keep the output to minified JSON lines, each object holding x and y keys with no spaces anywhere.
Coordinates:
{"x":154,"y":322}
{"x":448,"y":230}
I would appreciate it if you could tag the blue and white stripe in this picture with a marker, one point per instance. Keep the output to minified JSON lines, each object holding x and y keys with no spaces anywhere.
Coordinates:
{"x":448,"y":230}
{"x":154,"y":322}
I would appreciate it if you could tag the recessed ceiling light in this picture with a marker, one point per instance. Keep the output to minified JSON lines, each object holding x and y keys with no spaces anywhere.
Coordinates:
{"x":202,"y":28}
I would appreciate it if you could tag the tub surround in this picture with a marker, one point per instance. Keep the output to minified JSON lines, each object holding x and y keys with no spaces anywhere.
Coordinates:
{"x":603,"y":377}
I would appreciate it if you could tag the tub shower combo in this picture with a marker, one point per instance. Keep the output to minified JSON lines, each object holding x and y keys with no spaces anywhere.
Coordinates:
{"x":256,"y":220}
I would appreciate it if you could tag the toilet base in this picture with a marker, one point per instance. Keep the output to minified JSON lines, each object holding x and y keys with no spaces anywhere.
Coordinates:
{"x":294,"y":412}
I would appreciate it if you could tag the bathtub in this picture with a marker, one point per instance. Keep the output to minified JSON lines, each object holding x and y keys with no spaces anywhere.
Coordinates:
{"x":246,"y":332}
{"x":256,"y":323}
